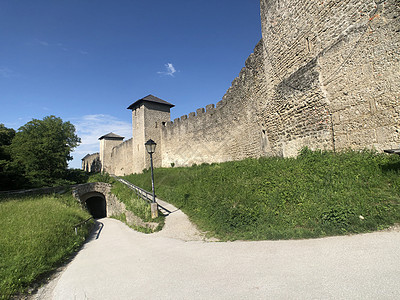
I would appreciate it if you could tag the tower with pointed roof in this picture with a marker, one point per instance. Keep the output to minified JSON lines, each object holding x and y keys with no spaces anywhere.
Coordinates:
{"x":107,"y":143}
{"x":148,"y":115}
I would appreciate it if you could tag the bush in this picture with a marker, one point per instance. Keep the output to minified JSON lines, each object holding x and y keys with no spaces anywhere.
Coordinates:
{"x":101,"y":177}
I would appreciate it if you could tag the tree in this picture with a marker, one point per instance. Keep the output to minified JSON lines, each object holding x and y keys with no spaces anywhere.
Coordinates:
{"x":6,"y":136}
{"x":8,"y":175}
{"x":43,"y":148}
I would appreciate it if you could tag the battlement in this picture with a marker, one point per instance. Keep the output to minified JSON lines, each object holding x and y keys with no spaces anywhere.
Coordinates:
{"x":330,"y":84}
{"x":218,"y":109}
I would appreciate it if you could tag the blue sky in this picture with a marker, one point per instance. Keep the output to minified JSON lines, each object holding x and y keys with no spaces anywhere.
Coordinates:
{"x":87,"y":61}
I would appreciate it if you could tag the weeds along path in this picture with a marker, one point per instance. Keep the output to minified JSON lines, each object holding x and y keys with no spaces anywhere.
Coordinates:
{"x":119,"y":263}
{"x":177,"y":224}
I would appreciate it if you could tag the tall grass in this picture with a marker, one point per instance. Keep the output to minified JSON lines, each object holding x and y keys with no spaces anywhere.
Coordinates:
{"x":316,"y":194}
{"x":137,"y":206}
{"x":133,"y":203}
{"x":36,"y":235}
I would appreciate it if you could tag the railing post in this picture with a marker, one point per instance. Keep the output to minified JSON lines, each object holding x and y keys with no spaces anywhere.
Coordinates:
{"x":154,"y":206}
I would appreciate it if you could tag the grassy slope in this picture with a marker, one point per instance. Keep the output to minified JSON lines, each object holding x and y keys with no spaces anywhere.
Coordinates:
{"x":133,"y":203}
{"x":137,"y":206}
{"x":314,"y":195}
{"x":36,"y":234}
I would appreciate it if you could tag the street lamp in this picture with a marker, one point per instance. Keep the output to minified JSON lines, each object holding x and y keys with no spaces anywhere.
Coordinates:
{"x":151,"y":148}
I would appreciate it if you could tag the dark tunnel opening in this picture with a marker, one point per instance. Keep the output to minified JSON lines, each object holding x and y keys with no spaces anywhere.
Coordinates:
{"x":97,"y":207}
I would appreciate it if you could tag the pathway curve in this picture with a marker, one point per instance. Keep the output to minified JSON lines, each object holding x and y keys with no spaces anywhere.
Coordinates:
{"x":119,"y":263}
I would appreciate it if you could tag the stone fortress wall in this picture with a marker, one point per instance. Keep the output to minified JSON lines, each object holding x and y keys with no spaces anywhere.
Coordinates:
{"x":333,"y":73}
{"x":226,"y":131}
{"x":325,"y":75}
{"x":122,"y":158}
{"x":91,"y":162}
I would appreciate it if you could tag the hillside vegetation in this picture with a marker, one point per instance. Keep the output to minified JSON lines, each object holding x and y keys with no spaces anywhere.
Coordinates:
{"x":133,"y":203}
{"x":36,"y":234}
{"x":317,"y":194}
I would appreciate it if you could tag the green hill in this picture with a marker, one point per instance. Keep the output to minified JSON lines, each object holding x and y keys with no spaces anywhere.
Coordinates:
{"x":36,"y":235}
{"x":314,"y":195}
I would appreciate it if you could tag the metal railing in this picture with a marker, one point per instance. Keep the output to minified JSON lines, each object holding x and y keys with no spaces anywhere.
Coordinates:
{"x":145,"y":195}
{"x":80,"y":224}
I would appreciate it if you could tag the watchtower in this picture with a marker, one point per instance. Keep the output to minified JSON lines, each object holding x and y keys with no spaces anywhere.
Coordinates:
{"x":149,"y":114}
{"x":107,"y":143}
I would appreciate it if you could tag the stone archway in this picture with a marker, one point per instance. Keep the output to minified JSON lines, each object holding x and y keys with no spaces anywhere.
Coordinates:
{"x":95,"y":195}
{"x":96,"y":204}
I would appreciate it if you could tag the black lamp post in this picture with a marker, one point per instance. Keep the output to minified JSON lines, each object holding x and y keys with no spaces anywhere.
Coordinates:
{"x":151,"y":148}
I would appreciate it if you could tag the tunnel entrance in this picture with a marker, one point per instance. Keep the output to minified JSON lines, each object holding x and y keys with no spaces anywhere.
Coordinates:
{"x":97,"y":207}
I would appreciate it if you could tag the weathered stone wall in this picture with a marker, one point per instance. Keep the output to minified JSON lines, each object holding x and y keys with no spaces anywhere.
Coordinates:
{"x":229,"y":131}
{"x":155,"y":116}
{"x":106,"y":148}
{"x":333,"y":73}
{"x":122,"y":158}
{"x":138,"y":137}
{"x":325,"y":75}
{"x":91,"y":163}
{"x":147,"y":121}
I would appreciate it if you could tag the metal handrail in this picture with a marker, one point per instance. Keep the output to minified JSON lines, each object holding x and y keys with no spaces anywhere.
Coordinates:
{"x":80,"y":224}
{"x":145,"y":195}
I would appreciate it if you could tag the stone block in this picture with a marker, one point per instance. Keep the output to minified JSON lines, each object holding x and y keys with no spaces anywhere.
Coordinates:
{"x":210,"y":107}
{"x":220,"y":104}
{"x":200,"y":111}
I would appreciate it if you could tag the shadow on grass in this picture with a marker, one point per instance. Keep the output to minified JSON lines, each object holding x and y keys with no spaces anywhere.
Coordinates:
{"x":391,"y":167}
{"x":47,"y":277}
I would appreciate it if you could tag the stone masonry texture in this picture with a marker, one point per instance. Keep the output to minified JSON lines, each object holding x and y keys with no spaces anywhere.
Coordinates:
{"x":325,"y":75}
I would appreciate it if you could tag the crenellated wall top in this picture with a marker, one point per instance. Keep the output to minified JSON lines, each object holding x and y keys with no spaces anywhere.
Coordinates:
{"x":237,"y":83}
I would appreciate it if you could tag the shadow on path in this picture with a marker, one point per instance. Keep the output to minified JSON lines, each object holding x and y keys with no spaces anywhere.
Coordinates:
{"x":96,"y":231}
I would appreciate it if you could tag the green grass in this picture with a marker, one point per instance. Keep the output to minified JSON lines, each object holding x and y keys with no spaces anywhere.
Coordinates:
{"x":133,"y":203}
{"x":36,"y":235}
{"x":314,"y":195}
{"x":101,"y":177}
{"x":137,"y":206}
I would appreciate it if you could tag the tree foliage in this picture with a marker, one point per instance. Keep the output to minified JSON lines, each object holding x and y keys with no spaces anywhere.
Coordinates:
{"x":7,"y":173}
{"x":42,"y":149}
{"x":6,"y":136}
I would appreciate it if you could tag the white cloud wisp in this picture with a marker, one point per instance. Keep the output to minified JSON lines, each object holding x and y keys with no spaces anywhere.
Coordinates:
{"x":170,"y":70}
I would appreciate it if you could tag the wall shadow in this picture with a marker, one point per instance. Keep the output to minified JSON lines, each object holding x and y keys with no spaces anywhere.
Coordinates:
{"x":391,"y":167}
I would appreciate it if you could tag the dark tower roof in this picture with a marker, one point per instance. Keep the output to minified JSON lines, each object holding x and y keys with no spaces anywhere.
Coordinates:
{"x":111,"y":136}
{"x":150,"y":98}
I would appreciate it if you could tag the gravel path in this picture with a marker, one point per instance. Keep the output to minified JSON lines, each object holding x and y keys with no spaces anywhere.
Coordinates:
{"x":176,"y":263}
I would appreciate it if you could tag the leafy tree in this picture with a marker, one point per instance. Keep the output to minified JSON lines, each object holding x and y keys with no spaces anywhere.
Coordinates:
{"x":43,"y":148}
{"x":6,"y":136}
{"x":8,"y":175}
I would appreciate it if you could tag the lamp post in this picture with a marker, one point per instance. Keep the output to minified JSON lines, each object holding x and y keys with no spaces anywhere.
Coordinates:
{"x":151,"y":148}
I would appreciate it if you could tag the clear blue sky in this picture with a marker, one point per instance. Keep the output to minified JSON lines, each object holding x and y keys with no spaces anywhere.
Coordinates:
{"x":87,"y":61}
